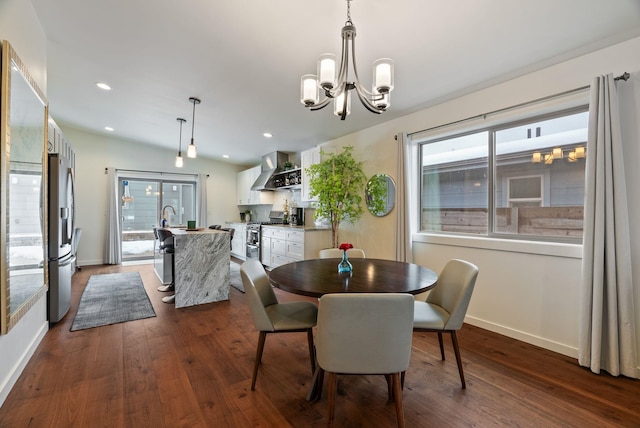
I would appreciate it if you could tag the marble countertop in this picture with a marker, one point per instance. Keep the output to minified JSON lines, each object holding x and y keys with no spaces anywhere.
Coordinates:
{"x":183,"y":231}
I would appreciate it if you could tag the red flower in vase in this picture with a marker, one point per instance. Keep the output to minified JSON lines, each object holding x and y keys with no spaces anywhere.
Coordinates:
{"x":345,"y":246}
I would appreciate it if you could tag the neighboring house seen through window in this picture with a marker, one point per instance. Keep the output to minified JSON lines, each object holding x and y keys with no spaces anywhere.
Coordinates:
{"x":521,"y":180}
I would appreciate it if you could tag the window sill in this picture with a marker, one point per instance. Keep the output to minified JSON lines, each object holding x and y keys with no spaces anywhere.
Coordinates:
{"x":556,"y":249}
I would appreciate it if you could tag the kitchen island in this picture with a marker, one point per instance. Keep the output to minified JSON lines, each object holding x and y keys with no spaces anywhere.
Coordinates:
{"x":201,"y":266}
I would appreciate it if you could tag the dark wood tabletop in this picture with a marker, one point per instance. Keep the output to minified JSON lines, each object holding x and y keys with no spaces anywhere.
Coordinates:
{"x":317,"y":277}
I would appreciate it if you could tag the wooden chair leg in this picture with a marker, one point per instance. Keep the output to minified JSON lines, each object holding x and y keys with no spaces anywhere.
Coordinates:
{"x":389,"y":380}
{"x":402,"y":380}
{"x":397,"y":393}
{"x":333,"y":391}
{"x":441,"y":345}
{"x":312,"y":350}
{"x":456,"y":349}
{"x":320,"y":383}
{"x":261,"y":339}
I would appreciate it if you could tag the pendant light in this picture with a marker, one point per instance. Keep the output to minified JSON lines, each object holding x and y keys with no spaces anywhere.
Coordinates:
{"x":191,"y":150}
{"x":179,"y":160}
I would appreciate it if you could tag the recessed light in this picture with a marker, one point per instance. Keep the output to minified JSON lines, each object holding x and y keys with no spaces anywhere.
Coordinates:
{"x":104,"y":86}
{"x":225,"y":156}
{"x":108,"y":128}
{"x":267,"y":134}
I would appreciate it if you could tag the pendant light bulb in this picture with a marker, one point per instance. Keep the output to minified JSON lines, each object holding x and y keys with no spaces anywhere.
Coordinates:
{"x":179,"y":160}
{"x":191,"y":150}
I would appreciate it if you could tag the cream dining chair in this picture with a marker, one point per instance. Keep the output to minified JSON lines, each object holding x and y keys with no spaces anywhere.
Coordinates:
{"x":269,"y":316}
{"x":364,"y":333}
{"x":336,"y":253}
{"x":446,"y":305}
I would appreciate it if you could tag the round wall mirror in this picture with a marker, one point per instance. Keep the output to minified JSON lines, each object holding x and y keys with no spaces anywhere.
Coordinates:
{"x":380,"y":194}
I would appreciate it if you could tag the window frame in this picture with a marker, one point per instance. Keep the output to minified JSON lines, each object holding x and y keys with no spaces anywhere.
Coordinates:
{"x":491,"y":130}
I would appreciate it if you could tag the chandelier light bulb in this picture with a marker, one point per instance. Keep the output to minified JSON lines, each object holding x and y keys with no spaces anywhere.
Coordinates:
{"x":383,"y":75}
{"x":179,"y":161}
{"x":327,"y":71}
{"x":309,"y":90}
{"x":191,"y":150}
{"x":339,"y":105}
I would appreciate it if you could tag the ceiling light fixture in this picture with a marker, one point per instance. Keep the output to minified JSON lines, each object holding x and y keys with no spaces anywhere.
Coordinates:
{"x":103,"y":86}
{"x":179,"y":160}
{"x":375,"y":101}
{"x":191,"y":150}
{"x":108,"y":128}
{"x":267,"y":135}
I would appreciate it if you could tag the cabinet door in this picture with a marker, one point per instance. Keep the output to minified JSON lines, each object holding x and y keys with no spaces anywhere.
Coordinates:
{"x":238,"y":245}
{"x":265,"y":251}
{"x":308,"y":158}
{"x":241,"y":188}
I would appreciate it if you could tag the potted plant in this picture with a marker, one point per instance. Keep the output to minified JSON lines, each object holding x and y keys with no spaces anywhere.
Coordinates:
{"x":338,"y":185}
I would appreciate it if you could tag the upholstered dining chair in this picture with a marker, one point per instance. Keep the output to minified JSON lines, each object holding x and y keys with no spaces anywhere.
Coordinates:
{"x":336,"y":253}
{"x":269,"y":316}
{"x":364,"y":333}
{"x":446,"y":305}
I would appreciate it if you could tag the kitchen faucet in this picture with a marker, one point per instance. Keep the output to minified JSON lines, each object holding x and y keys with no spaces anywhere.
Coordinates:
{"x":165,"y":222}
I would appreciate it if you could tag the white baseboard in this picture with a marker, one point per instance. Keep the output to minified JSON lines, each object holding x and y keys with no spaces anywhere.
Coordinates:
{"x":17,"y":369}
{"x":524,"y":337}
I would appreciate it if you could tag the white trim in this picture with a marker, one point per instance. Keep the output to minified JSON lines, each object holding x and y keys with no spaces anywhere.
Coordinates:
{"x":545,"y":248}
{"x":15,"y":371}
{"x":524,"y":337}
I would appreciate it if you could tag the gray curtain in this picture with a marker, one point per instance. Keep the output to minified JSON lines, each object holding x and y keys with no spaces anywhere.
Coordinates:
{"x":112,"y":244}
{"x":403,"y":233}
{"x":607,"y":330}
{"x":201,"y":201}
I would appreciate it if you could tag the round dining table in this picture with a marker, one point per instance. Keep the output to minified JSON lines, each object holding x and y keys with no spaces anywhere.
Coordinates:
{"x":317,"y":277}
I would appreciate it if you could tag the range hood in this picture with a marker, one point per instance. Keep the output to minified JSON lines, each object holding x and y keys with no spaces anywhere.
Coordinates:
{"x":271,"y":164}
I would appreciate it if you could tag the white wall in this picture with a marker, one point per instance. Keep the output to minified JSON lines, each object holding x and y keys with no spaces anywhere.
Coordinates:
{"x":19,"y":25}
{"x":95,"y":152}
{"x":527,"y":291}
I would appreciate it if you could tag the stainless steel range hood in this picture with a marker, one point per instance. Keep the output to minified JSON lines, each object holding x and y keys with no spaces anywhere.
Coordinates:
{"x":271,"y":164}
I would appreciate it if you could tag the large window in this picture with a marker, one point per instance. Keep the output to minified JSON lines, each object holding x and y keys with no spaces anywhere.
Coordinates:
{"x":520,"y":180}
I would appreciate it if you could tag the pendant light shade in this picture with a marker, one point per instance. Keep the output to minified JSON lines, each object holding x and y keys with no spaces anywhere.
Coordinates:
{"x":179,"y":160}
{"x":191,"y":150}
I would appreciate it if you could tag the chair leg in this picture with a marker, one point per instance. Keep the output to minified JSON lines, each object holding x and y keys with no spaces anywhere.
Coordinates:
{"x":320,"y":382}
{"x":312,"y":350}
{"x":441,"y":345}
{"x":397,"y":393}
{"x":389,"y":380}
{"x":261,"y":339}
{"x":456,"y":349}
{"x":333,"y":391}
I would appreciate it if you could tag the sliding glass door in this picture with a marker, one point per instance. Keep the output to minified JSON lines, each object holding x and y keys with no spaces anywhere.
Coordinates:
{"x":145,"y":202}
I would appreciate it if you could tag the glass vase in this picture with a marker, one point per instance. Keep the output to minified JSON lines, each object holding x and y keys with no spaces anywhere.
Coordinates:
{"x":344,"y":265}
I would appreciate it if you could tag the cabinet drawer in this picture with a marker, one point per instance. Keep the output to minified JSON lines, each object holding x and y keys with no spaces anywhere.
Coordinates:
{"x":279,"y":259}
{"x":268,"y":232}
{"x":279,"y":233}
{"x":295,"y":250}
{"x":278,"y":246}
{"x":295,"y":235}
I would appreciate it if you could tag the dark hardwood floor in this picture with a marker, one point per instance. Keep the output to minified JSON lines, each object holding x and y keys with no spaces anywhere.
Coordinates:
{"x":192,"y":367}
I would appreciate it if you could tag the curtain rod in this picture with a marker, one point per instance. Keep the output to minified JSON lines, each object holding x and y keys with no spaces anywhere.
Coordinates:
{"x":150,"y":172}
{"x":623,"y":76}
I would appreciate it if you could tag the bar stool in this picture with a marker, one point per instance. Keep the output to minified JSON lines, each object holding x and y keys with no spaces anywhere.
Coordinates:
{"x":167,"y":246}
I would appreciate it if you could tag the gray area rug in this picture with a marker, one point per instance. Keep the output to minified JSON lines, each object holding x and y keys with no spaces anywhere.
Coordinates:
{"x":236,"y":279}
{"x":112,"y":298}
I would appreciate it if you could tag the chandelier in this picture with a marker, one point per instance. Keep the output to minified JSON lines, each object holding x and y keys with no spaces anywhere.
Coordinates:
{"x":179,"y":159}
{"x":338,"y":89}
{"x":191,"y":149}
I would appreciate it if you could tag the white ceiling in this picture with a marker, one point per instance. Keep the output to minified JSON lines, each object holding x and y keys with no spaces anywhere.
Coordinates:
{"x":244,"y":60}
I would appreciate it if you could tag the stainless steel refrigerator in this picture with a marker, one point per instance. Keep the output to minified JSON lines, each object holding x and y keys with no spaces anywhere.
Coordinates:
{"x":61,"y":229}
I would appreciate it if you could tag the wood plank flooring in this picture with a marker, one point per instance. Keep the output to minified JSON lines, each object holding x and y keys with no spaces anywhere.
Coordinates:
{"x":192,"y":367}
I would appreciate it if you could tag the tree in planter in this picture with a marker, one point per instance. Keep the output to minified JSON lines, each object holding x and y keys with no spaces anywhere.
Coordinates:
{"x":338,"y":184}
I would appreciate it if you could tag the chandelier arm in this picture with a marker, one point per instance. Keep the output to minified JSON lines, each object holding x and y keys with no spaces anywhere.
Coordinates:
{"x":344,"y":68}
{"x":322,"y":104}
{"x":367,"y":103}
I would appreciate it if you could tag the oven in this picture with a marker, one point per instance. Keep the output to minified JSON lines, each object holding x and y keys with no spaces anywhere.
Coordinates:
{"x":253,"y":241}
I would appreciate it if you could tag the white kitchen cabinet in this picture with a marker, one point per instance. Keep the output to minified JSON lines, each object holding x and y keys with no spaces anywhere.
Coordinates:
{"x":239,"y":242}
{"x":308,"y":158}
{"x":246,"y":196}
{"x":288,"y":244}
